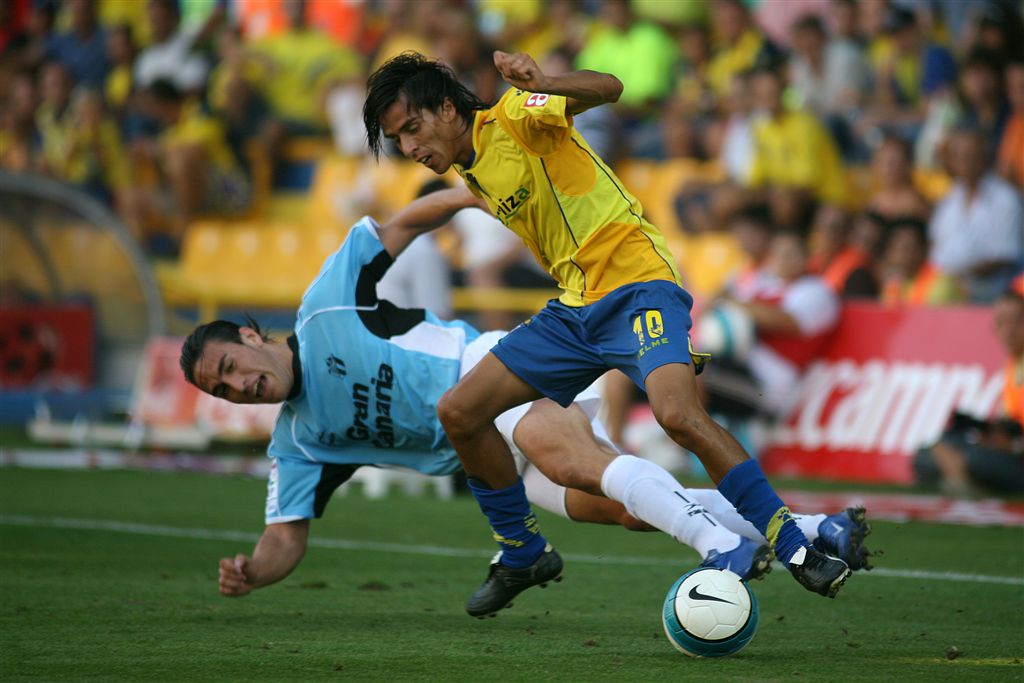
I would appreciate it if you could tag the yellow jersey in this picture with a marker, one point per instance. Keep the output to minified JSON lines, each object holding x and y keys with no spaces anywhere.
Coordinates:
{"x":195,"y":127}
{"x":795,"y":150}
{"x":541,"y":179}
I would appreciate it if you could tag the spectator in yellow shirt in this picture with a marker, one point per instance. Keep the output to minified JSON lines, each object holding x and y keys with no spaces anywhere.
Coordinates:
{"x":121,"y":55}
{"x":194,"y":157}
{"x":18,"y":135}
{"x":300,"y":67}
{"x":795,"y":159}
{"x":80,"y":144}
{"x":737,"y":41}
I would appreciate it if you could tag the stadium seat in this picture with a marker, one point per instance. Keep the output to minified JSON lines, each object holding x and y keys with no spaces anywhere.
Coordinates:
{"x":282,"y":271}
{"x":201,"y":251}
{"x":641,"y":179}
{"x":395,"y":183}
{"x":329,"y":201}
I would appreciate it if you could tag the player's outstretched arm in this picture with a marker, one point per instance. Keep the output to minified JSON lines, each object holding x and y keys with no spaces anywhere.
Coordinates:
{"x":277,"y":553}
{"x":423,"y":215}
{"x":582,"y":89}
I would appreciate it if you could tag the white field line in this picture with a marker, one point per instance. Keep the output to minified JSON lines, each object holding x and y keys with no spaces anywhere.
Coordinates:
{"x":440,"y":551}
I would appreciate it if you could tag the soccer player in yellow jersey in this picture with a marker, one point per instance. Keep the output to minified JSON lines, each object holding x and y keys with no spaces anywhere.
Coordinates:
{"x":622,"y":304}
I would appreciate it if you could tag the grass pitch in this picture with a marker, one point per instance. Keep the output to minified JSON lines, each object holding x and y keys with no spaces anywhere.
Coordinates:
{"x":123,"y":587}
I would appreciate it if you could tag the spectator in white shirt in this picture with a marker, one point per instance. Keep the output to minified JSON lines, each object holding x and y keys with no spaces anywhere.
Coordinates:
{"x":793,"y":314}
{"x":171,"y":55}
{"x":829,"y":76}
{"x":977,"y":230}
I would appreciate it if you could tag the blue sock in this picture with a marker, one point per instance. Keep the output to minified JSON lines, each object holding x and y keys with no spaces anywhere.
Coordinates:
{"x":753,"y":497}
{"x":512,"y":521}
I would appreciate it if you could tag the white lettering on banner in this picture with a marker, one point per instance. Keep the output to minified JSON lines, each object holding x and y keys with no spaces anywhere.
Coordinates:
{"x":881,"y":406}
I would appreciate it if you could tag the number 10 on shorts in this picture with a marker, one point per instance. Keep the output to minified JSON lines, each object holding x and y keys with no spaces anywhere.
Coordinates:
{"x":651,"y":320}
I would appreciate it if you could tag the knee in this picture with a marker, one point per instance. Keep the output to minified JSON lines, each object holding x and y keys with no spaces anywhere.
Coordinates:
{"x":688,"y":426}
{"x":456,"y":416}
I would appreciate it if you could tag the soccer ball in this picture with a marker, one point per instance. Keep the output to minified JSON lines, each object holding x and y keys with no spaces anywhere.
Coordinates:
{"x":710,"y":613}
{"x":726,"y":331}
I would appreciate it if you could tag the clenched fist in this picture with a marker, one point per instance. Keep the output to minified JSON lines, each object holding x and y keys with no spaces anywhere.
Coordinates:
{"x":234,"y":581}
{"x":520,"y":71}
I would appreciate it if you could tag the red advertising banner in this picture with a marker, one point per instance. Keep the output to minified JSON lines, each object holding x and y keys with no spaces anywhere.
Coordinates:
{"x":47,"y":347}
{"x":886,"y":386}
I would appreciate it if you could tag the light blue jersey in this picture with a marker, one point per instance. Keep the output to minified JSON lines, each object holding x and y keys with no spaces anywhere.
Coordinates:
{"x":371,"y":377}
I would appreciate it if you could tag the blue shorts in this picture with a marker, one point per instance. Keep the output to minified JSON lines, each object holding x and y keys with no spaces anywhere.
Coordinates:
{"x":637,"y":328}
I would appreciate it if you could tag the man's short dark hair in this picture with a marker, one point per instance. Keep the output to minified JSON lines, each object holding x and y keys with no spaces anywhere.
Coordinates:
{"x":810,"y":22}
{"x":425,"y":84}
{"x":758,"y":215}
{"x":218,"y":330}
{"x":164,"y":91}
{"x":913,"y":225}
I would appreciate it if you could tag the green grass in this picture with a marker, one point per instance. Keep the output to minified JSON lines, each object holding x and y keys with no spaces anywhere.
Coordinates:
{"x":105,"y":605}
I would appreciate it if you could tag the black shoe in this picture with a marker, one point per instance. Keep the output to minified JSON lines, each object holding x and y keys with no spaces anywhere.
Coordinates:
{"x":842,"y":535}
{"x":504,"y":583}
{"x":820,"y":573}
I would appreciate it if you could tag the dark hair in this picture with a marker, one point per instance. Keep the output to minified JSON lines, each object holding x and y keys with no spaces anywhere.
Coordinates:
{"x":164,"y":90}
{"x":810,"y":22}
{"x":171,"y":6}
{"x":425,"y":84}
{"x":125,"y":28}
{"x":983,"y":58}
{"x":218,"y":330}
{"x":914,"y":225}
{"x":755,"y":214}
{"x":899,"y":18}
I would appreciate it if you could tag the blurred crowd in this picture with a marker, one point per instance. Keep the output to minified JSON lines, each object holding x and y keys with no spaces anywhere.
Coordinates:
{"x":834,"y":120}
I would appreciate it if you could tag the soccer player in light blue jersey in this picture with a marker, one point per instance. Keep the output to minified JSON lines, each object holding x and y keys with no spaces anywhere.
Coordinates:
{"x":360,"y":380}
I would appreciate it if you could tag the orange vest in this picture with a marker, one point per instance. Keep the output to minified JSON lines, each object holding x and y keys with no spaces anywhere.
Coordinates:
{"x":896,"y":292}
{"x":1013,"y":390}
{"x":836,"y":272}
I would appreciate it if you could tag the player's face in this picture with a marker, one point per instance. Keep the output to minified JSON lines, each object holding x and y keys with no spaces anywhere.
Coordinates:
{"x":243,"y":373}
{"x":427,"y":137}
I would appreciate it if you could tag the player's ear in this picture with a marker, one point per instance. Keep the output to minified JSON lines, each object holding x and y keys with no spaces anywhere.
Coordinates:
{"x":448,"y":111}
{"x":250,"y":337}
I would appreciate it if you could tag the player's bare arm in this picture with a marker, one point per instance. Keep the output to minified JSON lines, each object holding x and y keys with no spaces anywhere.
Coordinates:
{"x":277,"y":553}
{"x":582,"y":89}
{"x":423,"y":215}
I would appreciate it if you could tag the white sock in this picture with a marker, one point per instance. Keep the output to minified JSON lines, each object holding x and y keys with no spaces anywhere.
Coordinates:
{"x":654,"y":496}
{"x":722,"y":510}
